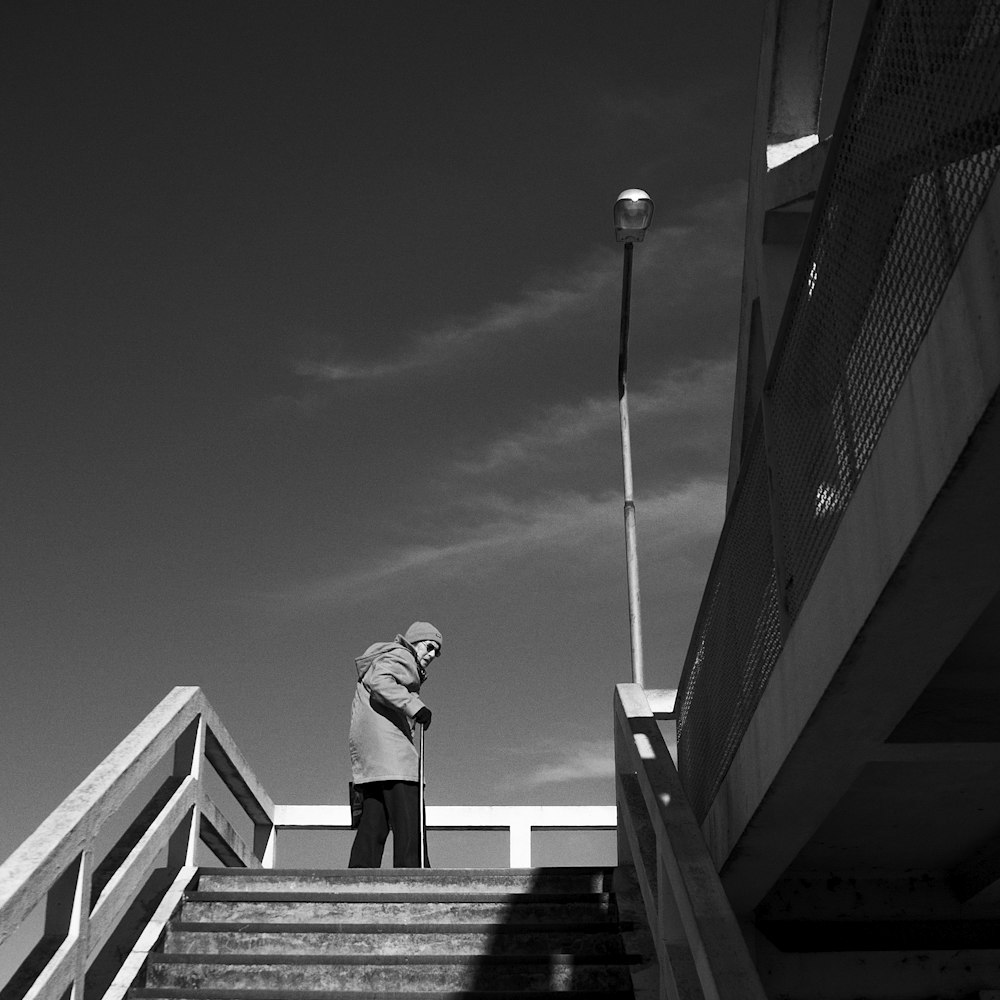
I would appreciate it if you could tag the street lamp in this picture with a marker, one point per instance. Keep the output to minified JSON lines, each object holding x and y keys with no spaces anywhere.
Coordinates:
{"x":633,"y":214}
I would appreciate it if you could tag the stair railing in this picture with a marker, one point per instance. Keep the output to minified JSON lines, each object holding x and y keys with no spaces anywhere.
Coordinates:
{"x":700,"y":948}
{"x":518,"y":821}
{"x":87,"y":898}
{"x":106,"y":906}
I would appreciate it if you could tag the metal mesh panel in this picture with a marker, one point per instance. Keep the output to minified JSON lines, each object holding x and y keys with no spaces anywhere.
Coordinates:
{"x":915,"y":155}
{"x":738,"y":637}
{"x":916,"y":158}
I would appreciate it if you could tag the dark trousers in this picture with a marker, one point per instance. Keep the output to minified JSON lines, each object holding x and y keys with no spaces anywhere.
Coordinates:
{"x":388,"y":805}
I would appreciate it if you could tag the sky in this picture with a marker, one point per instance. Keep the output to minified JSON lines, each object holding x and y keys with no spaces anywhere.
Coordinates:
{"x":310,"y":330}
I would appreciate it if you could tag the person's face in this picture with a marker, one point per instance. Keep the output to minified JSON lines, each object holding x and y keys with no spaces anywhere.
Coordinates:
{"x":426,"y":649}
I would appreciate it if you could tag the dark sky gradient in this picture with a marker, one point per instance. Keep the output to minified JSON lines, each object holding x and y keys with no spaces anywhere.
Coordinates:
{"x":309,"y":329}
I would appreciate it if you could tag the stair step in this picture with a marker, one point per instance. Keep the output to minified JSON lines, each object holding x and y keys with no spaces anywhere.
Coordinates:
{"x":393,"y":938}
{"x":377,"y":880}
{"x":553,"y":972}
{"x":362,"y":934}
{"x":456,"y":896}
{"x":395,"y":908}
{"x":191,"y":993}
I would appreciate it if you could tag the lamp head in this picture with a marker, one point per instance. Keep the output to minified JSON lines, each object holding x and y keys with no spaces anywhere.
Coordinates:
{"x":633,"y":214}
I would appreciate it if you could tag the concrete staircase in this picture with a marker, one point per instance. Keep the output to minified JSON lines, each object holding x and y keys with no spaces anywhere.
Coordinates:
{"x":250,"y":935}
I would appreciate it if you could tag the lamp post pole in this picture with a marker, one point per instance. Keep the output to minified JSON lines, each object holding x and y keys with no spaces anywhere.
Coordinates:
{"x":633,"y":213}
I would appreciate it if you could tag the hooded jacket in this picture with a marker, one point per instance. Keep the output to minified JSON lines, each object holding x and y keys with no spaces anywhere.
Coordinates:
{"x":386,"y":698}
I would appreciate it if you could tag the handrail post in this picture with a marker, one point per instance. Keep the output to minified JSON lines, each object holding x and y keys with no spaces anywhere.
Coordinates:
{"x":520,"y":843}
{"x":189,"y":759}
{"x":80,"y":920}
{"x":265,"y":843}
{"x":67,"y":914}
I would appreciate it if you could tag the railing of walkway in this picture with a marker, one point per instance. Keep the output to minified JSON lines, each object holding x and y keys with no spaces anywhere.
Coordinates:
{"x":700,"y":949}
{"x":106,"y":907}
{"x":90,"y":900}
{"x":519,"y":821}
{"x":914,"y":154}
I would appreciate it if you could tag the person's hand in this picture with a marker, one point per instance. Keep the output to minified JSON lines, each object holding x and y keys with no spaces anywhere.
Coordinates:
{"x":423,"y":717}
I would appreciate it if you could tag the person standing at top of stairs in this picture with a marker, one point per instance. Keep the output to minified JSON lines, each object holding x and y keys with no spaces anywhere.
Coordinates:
{"x":384,"y":761}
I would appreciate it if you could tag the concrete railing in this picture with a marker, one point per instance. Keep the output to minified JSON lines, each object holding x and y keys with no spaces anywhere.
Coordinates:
{"x":91,"y":890}
{"x":519,"y":821}
{"x":699,"y":947}
{"x":88,"y":897}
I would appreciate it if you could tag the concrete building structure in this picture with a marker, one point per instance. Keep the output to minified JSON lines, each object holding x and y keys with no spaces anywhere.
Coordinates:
{"x":839,"y":711}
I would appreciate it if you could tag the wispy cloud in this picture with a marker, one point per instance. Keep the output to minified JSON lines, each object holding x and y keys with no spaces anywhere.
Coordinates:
{"x":688,"y":258}
{"x":565,"y":294}
{"x":504,"y":530}
{"x":700,"y":391}
{"x":331,"y":371}
{"x":552,"y":761}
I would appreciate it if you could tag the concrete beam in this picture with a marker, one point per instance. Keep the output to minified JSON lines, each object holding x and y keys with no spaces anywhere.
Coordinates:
{"x":889,"y":975}
{"x":801,"y":33}
{"x":933,"y":752}
{"x":830,"y":896}
{"x":843,"y":912}
{"x":815,"y":936}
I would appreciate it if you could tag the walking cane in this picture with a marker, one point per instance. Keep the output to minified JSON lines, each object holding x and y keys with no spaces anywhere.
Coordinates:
{"x":420,"y":779}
